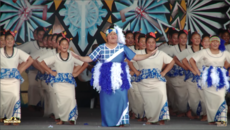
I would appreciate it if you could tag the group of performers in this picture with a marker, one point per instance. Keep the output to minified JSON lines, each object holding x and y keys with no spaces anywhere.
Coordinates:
{"x":134,"y":78}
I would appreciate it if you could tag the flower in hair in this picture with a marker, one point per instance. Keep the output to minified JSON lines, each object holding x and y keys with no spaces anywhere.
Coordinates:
{"x":152,"y":34}
{"x":186,"y":32}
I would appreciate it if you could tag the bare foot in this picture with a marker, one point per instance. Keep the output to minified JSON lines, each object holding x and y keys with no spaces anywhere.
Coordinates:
{"x":57,"y":120}
{"x":7,"y":123}
{"x":132,"y":116}
{"x":144,"y":119}
{"x":181,"y":115}
{"x":2,"y":120}
{"x":212,"y":123}
{"x":162,"y":122}
{"x":15,"y":123}
{"x":204,"y":118}
{"x":189,"y":115}
{"x":71,"y":122}
{"x":140,"y":119}
{"x":60,"y":123}
{"x":121,"y":126}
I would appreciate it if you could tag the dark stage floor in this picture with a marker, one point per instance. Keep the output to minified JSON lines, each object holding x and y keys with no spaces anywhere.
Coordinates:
{"x":89,"y":119}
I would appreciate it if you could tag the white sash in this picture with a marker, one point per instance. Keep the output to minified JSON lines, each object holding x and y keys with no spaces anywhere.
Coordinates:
{"x":114,"y":55}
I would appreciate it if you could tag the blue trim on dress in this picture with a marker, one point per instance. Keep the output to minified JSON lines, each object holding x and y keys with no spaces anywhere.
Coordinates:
{"x":150,"y":73}
{"x":176,"y":71}
{"x":219,"y":111}
{"x":63,"y":78}
{"x":73,"y":113}
{"x":163,"y":112}
{"x":8,"y":73}
{"x":16,"y":107}
{"x":199,"y":109}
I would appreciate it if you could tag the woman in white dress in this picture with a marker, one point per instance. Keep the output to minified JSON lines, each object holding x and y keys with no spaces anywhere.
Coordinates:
{"x":64,"y":83}
{"x":2,"y":39}
{"x":10,"y":78}
{"x":152,"y":82}
{"x":213,"y":79}
{"x":202,"y":109}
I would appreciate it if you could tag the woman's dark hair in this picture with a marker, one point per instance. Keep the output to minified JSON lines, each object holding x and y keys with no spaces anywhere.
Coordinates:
{"x":50,"y":35}
{"x":8,"y":33}
{"x":225,"y":31}
{"x":173,"y":32}
{"x":149,"y":36}
{"x":54,"y":36}
{"x":45,"y":35}
{"x":58,"y":35}
{"x":141,"y":36}
{"x":40,"y":29}
{"x":181,"y":32}
{"x":127,"y":32}
{"x":194,"y":34}
{"x":205,"y":35}
{"x":63,"y":40}
{"x":2,"y":33}
{"x":136,"y":33}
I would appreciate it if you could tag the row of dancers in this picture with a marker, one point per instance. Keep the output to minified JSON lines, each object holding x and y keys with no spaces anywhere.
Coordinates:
{"x":196,"y":76}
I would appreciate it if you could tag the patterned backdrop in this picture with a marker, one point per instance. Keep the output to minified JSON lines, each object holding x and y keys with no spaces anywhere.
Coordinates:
{"x":86,"y":20}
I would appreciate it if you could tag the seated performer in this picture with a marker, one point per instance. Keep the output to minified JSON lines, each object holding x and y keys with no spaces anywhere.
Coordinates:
{"x":111,"y":76}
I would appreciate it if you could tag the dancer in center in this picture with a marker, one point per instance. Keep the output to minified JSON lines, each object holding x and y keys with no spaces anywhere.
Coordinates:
{"x":111,"y":76}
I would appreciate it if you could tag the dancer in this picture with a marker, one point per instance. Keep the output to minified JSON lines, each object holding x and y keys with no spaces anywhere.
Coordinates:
{"x":205,"y":43}
{"x":64,"y":83}
{"x":139,"y":103}
{"x":111,"y":76}
{"x":194,"y":99}
{"x":214,"y":81}
{"x":152,"y":82}
{"x":2,"y":39}
{"x":11,"y":78}
{"x":226,"y":36}
{"x":136,"y":35}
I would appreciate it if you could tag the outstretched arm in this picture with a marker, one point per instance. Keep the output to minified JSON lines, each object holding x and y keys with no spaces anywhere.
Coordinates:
{"x":139,"y":57}
{"x":43,"y":64}
{"x":82,"y":58}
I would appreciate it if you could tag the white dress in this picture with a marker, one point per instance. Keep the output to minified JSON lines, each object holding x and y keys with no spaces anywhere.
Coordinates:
{"x":64,"y":86}
{"x":176,"y":80}
{"x":10,"y":83}
{"x":51,"y":97}
{"x":194,"y":99}
{"x":214,"y":83}
{"x":138,"y":103}
{"x":153,"y":86}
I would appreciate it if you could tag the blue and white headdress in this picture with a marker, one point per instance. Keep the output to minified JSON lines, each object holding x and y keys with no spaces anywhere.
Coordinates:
{"x":118,"y":31}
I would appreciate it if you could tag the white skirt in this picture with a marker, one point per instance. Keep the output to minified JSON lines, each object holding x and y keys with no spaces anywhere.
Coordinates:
{"x":10,"y":98}
{"x":66,"y":102}
{"x":154,"y":95}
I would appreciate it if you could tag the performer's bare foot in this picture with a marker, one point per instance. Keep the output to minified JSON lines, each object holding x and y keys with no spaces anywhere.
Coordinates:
{"x":140,"y":119}
{"x":212,"y":123}
{"x":15,"y":123}
{"x":60,"y":123}
{"x":189,"y":115}
{"x":162,"y":122}
{"x":181,"y":115}
{"x":144,"y":119}
{"x":121,"y":126}
{"x":2,"y":120}
{"x":71,"y":122}
{"x":7,"y":123}
{"x":204,"y":118}
{"x":57,"y":120}
{"x":133,"y":116}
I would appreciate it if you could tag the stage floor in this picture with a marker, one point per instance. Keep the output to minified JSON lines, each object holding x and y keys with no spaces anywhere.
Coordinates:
{"x":90,"y":119}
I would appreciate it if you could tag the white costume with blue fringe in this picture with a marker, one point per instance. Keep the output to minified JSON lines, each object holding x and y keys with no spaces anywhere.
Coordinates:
{"x":176,"y":76}
{"x":153,"y":86}
{"x":110,"y":76}
{"x":10,"y":80}
{"x":214,"y":82}
{"x":137,"y":100}
{"x":194,"y":98}
{"x":51,"y":98}
{"x":64,"y":86}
